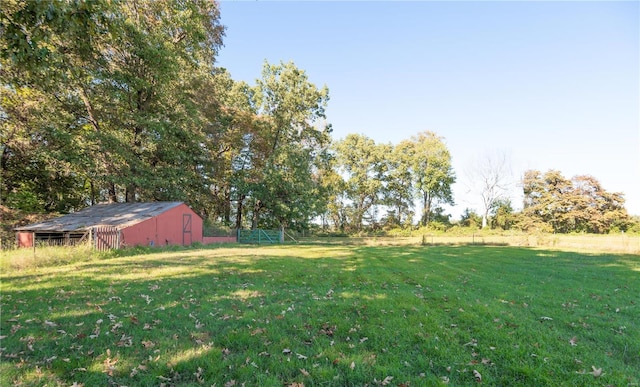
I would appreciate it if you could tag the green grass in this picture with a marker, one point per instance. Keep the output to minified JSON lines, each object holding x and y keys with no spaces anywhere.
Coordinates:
{"x":324,"y":315}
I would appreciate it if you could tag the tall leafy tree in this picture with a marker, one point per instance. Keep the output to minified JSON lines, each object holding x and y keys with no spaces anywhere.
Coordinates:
{"x":399,"y":190}
{"x":293,"y":141}
{"x":433,"y":175}
{"x":362,"y":162}
{"x":567,"y":205}
{"x":116,"y":72}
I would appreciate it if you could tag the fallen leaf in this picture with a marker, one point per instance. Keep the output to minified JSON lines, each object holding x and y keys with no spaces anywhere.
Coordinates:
{"x":597,"y":372}
{"x":353,"y":365}
{"x":473,"y":343}
{"x":50,"y":323}
{"x":304,"y":372}
{"x":477,"y":375}
{"x":573,"y":341}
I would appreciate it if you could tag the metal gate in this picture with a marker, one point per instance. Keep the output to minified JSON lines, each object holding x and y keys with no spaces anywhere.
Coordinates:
{"x":259,"y":236}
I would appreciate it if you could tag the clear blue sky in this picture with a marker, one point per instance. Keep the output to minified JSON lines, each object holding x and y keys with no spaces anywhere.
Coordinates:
{"x":556,"y":85}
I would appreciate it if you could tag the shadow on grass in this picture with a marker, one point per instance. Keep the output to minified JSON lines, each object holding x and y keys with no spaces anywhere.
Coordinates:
{"x":261,"y":314}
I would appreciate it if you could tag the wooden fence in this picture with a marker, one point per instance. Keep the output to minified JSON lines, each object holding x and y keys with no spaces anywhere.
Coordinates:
{"x":105,"y":238}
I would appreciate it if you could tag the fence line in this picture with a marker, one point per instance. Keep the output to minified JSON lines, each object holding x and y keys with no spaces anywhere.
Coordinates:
{"x":105,"y":238}
{"x":260,"y":236}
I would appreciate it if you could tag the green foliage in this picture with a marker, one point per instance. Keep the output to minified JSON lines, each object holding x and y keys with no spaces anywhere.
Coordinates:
{"x":94,"y":96}
{"x":576,"y":205}
{"x":502,"y":216}
{"x":634,"y":225}
{"x":430,"y":163}
{"x":377,"y":175}
{"x":276,"y":174}
{"x":470,"y":218}
{"x":362,"y":161}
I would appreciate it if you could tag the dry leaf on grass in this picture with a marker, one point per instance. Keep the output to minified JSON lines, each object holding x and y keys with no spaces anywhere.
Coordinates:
{"x":477,"y":375}
{"x":384,"y":382}
{"x":573,"y":341}
{"x":597,"y":372}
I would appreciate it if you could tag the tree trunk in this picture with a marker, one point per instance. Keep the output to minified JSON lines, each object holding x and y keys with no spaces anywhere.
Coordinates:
{"x":426,"y":209}
{"x":227,"y":205}
{"x":256,"y":215}
{"x":112,"y":193}
{"x":130,"y":194}
{"x":239,"y":212}
{"x":93,"y":192}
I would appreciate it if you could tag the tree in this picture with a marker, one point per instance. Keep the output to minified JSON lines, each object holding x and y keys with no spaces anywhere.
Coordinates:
{"x":362,"y":162}
{"x":293,"y":143}
{"x":489,"y":177}
{"x":502,"y":215}
{"x":116,"y":75}
{"x":399,"y":190}
{"x":430,"y":163}
{"x":470,"y":218}
{"x":579,"y":204}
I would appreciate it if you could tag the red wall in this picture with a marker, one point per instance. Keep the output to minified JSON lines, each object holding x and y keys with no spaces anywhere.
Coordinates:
{"x":24,"y":238}
{"x":164,"y":229}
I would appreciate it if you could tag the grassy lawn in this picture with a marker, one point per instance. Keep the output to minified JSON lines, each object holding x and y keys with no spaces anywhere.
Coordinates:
{"x":325,"y":315}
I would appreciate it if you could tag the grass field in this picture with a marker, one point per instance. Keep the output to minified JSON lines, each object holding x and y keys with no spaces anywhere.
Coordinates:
{"x":324,"y":314}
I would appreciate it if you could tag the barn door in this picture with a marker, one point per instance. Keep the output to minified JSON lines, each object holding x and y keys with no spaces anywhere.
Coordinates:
{"x":186,"y":229}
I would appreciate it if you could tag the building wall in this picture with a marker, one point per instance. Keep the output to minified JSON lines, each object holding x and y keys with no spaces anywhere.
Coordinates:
{"x":164,"y":229}
{"x":24,"y":238}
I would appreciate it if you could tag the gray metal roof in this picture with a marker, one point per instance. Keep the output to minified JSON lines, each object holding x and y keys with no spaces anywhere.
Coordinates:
{"x":120,"y":215}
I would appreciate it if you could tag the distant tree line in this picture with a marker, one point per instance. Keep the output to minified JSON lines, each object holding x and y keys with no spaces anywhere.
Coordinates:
{"x":107,"y":101}
{"x":553,"y":203}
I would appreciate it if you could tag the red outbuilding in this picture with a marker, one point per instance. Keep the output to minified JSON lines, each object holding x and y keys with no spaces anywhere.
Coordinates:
{"x":118,"y":225}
